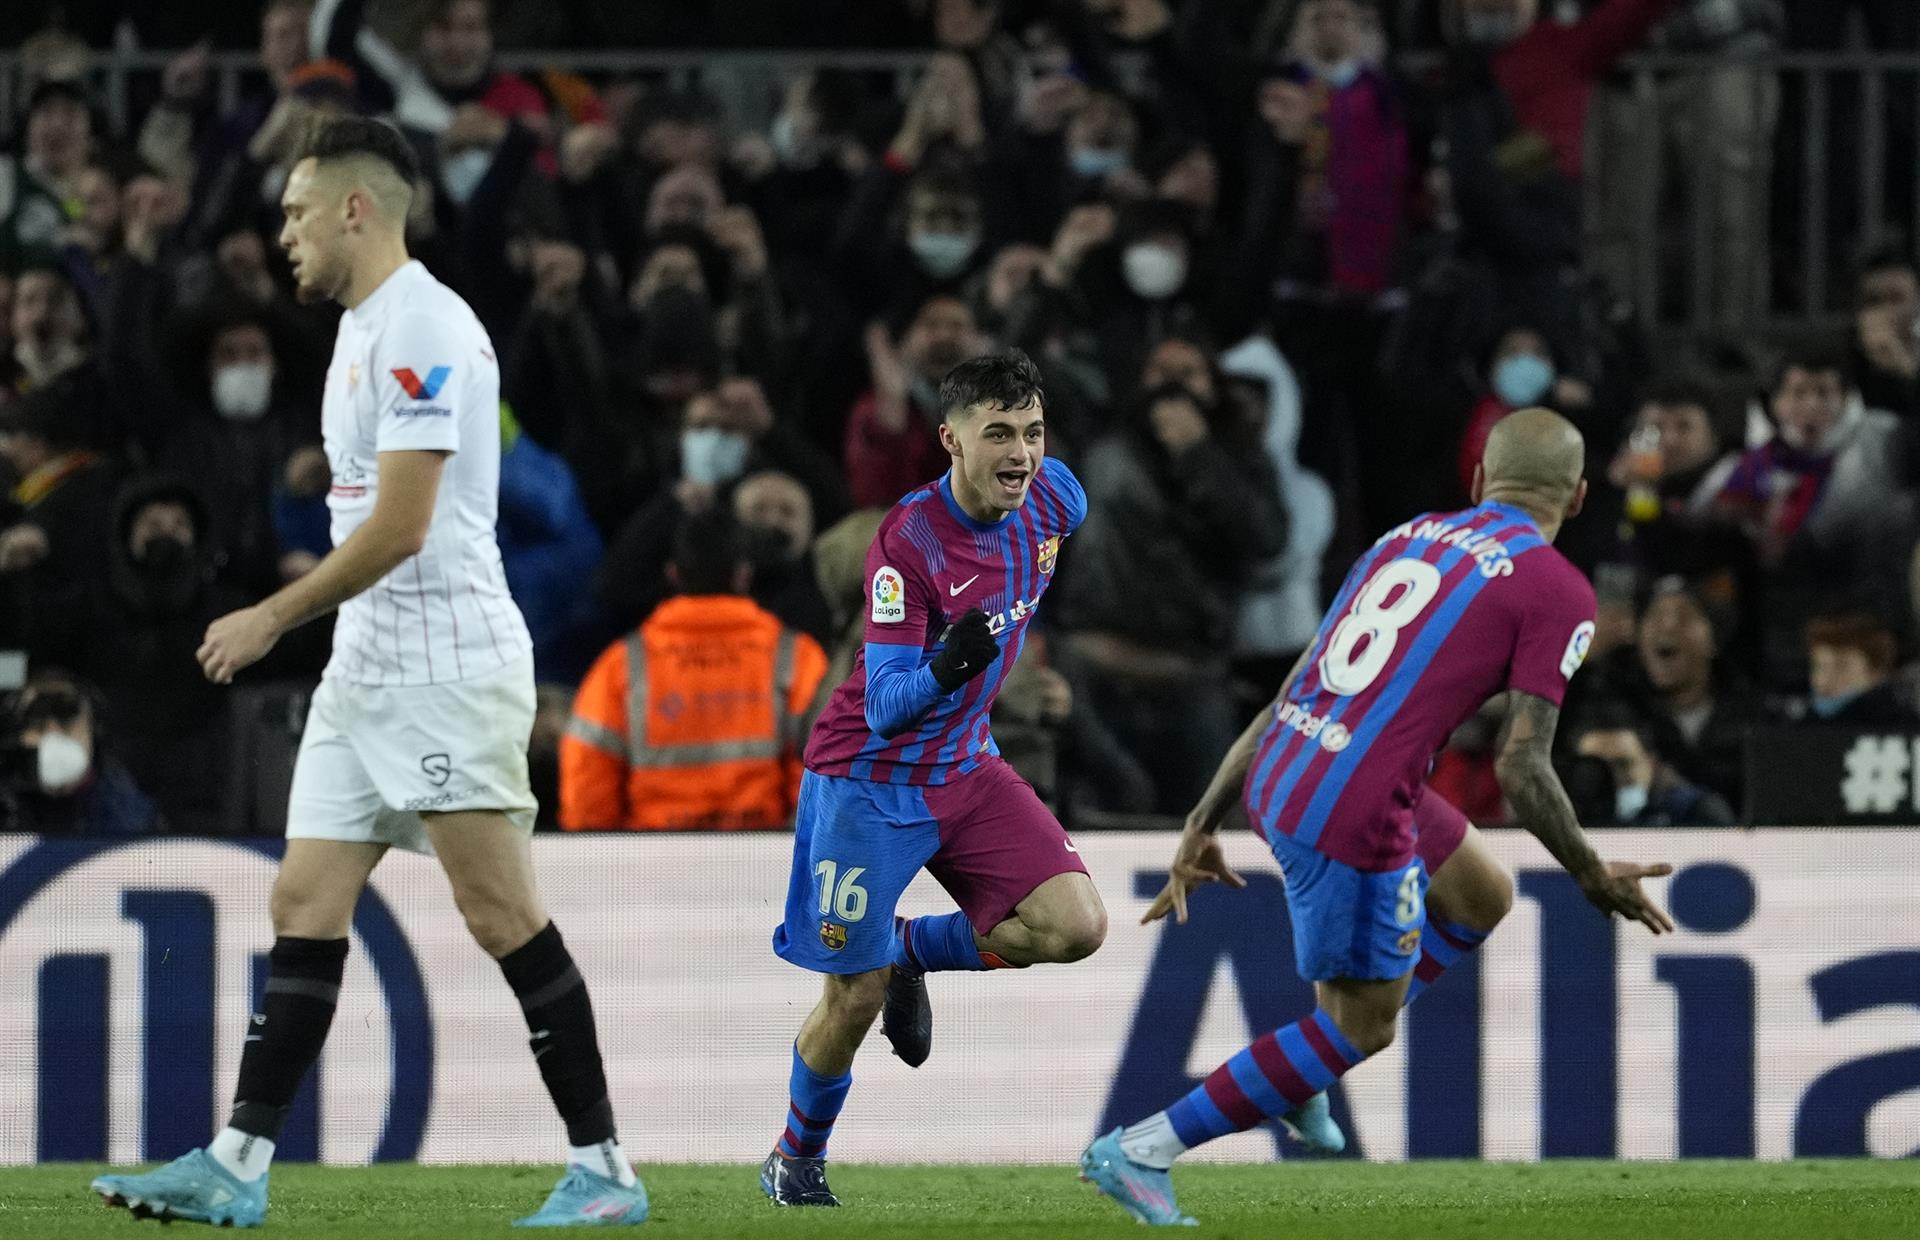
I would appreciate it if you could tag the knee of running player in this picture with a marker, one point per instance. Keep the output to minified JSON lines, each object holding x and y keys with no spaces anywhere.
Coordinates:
{"x":303,"y":912}
{"x":1479,"y":905}
{"x":1071,"y":930}
{"x":1367,"y":1013}
{"x":1488,"y":904}
{"x":500,"y":917}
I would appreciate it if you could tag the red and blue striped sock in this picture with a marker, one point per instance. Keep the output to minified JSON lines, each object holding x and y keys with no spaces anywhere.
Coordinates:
{"x":1440,"y":949}
{"x":814,"y":1105}
{"x":939,"y":945}
{"x":1276,"y":1074}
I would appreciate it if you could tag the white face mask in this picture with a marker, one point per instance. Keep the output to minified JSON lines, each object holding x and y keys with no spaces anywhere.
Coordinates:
{"x":943,"y":254}
{"x":1627,"y":804}
{"x":242,"y":391}
{"x":1340,"y":74}
{"x":1152,"y":270}
{"x":462,"y":174}
{"x":711,"y":455}
{"x":1485,"y":29}
{"x":1094,"y":162}
{"x":63,"y":761}
{"x":792,"y":150}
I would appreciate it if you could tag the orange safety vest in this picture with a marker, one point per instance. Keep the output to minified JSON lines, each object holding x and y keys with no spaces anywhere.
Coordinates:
{"x":692,"y":722}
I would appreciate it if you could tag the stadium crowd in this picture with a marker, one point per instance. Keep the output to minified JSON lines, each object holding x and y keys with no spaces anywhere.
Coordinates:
{"x":1280,"y":287}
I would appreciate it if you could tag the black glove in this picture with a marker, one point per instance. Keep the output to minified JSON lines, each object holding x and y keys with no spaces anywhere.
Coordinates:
{"x":970,"y":647}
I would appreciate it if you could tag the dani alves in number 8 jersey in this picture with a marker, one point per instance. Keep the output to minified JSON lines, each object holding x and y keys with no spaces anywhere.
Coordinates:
{"x":1441,"y":614}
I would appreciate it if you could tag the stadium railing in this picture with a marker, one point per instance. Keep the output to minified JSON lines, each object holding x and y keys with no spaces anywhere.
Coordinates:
{"x":1666,"y":261}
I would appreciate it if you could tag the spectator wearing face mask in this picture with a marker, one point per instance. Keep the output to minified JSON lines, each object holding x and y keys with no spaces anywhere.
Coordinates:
{"x":1697,"y":705}
{"x":939,"y":240}
{"x":231,"y":424}
{"x":1822,"y":502}
{"x":1851,"y":660}
{"x":78,"y":786}
{"x":1113,"y":283}
{"x":727,"y":434}
{"x":775,"y":516}
{"x":135,"y":634}
{"x":806,"y":170}
{"x":1521,"y":371}
{"x":1182,"y":505}
{"x":892,"y":438}
{"x":1647,"y":792}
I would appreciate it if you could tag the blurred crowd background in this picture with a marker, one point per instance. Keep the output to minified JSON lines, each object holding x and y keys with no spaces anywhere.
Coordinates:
{"x":1282,"y":263}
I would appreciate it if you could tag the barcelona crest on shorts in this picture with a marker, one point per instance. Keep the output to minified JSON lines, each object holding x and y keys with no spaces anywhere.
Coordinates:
{"x":1408,"y":942}
{"x":833,"y":935}
{"x":1049,"y":552}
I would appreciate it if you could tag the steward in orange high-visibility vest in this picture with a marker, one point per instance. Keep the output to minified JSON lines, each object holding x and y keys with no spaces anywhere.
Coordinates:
{"x":696,"y":721}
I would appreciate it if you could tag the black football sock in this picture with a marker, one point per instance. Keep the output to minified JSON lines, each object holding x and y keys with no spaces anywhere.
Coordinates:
{"x":553,"y":997}
{"x":286,"y":1034}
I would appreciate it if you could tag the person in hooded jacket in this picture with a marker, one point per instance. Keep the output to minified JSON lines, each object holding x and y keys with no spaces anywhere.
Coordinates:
{"x":1181,"y":509}
{"x":1281,"y":608}
{"x":134,"y":636}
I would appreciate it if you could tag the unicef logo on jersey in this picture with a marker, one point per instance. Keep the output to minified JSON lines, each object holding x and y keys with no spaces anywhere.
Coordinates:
{"x":134,"y":968}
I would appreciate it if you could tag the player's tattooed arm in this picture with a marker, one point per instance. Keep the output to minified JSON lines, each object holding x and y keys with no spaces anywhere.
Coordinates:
{"x":1525,"y":767}
{"x":1524,"y":764}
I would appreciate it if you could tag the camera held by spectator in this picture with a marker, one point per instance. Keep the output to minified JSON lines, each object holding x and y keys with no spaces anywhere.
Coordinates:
{"x":1647,"y":792}
{"x":58,"y":778}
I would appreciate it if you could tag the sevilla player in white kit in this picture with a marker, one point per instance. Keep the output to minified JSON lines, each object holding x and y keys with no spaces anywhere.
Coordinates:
{"x":418,"y":733}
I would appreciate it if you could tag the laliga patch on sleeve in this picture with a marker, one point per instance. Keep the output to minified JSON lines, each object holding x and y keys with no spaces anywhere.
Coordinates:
{"x":1576,"y":649}
{"x":889,"y":595}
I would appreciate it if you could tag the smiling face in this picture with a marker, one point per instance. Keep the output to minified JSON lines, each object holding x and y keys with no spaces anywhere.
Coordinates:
{"x":996,"y":453}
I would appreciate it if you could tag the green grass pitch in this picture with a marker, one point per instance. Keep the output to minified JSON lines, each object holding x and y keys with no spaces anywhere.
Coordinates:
{"x":1301,"y":1201}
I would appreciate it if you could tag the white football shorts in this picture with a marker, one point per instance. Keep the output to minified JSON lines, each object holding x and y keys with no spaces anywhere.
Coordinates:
{"x":372,"y":759}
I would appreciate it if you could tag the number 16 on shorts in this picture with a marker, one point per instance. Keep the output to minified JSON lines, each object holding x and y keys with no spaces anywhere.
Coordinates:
{"x":840,"y":903}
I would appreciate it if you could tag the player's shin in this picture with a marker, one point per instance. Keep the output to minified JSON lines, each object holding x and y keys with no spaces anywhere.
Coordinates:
{"x":553,"y":997}
{"x":1269,"y":1078}
{"x":284,"y":1037}
{"x":814,"y":1102}
{"x":1441,"y":947}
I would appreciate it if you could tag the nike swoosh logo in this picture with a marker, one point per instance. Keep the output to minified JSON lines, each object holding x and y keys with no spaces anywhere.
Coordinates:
{"x":1071,"y":848}
{"x":954,"y":591}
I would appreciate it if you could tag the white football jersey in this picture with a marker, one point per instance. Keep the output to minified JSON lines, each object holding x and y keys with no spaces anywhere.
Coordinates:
{"x":413,"y":370}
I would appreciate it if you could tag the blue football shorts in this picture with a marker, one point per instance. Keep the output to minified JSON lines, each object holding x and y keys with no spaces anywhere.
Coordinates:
{"x":1350,"y":923}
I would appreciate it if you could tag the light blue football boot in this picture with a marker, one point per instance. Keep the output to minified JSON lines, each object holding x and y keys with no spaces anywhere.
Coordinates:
{"x":1144,"y":1192}
{"x":1311,"y":1124}
{"x":584,"y":1198}
{"x":192,"y":1188}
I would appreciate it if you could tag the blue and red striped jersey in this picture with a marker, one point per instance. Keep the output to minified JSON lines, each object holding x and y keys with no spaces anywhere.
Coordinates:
{"x":929,"y":564}
{"x":1441,"y":614}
